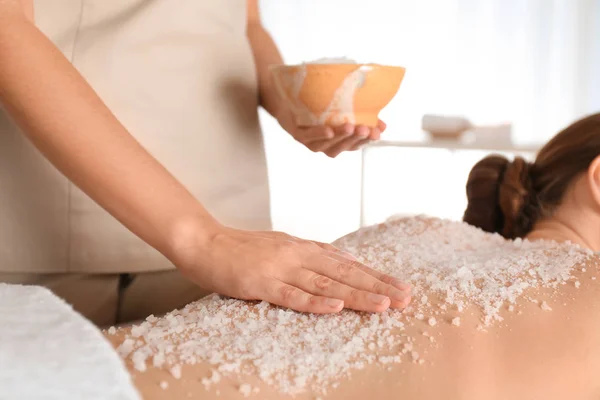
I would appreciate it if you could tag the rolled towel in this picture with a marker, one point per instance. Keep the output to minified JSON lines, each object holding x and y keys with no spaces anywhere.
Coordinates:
{"x":445,"y":125}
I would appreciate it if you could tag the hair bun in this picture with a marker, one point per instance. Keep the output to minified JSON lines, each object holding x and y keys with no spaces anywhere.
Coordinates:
{"x":517,"y":199}
{"x":501,"y":197}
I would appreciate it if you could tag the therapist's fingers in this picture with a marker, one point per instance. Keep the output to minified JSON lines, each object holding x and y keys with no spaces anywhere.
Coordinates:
{"x":290,"y":296}
{"x":353,"y":274}
{"x":360,"y":144}
{"x":374,"y":135}
{"x":344,"y":130}
{"x":320,"y":285}
{"x":341,"y":133}
{"x":398,"y":300}
{"x":397,"y":283}
{"x":332,"y":248}
{"x":307,"y":135}
{"x":379,"y":275}
{"x":335,"y":140}
{"x":361,"y":133}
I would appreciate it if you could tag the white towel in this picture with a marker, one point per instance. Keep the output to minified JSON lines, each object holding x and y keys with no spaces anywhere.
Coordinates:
{"x":50,"y":352}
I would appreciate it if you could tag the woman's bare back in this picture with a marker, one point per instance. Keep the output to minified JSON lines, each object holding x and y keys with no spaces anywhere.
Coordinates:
{"x":489,"y":319}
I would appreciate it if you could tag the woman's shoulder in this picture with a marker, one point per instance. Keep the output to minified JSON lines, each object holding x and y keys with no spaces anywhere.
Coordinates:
{"x":462,"y":277}
{"x":395,"y":227}
{"x":462,"y":264}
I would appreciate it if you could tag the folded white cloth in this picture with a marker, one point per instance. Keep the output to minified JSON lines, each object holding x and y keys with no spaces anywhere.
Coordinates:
{"x":444,"y":124}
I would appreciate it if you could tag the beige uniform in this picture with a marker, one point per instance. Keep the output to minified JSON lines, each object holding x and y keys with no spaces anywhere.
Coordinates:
{"x":181,"y":77}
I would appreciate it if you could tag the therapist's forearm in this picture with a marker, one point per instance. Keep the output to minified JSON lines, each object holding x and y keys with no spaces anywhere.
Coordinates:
{"x":265,"y":53}
{"x":70,"y":125}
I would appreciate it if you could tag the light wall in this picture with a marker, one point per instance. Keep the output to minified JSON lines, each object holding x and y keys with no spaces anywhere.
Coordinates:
{"x":529,"y":62}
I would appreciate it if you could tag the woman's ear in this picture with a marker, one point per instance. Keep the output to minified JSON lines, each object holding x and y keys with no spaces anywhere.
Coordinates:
{"x":594,"y":180}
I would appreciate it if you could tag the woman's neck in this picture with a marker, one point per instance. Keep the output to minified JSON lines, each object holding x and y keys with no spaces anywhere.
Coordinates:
{"x":575,"y":227}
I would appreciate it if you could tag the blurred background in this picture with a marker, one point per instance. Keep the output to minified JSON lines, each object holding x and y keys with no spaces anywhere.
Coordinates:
{"x":531,"y":63}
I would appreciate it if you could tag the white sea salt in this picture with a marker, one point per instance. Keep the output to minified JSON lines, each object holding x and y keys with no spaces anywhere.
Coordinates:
{"x":465,"y":267}
{"x":332,"y":60}
{"x":245,"y":389}
{"x":158,"y":360}
{"x":112,"y":330}
{"x":176,"y":371}
{"x":126,"y":347}
{"x":577,"y":284}
{"x":215,"y":377}
{"x":414,"y":355}
{"x":138,"y":330}
{"x":139,"y":359}
{"x":456,"y":321}
{"x":544,"y":306}
{"x":164,"y":385}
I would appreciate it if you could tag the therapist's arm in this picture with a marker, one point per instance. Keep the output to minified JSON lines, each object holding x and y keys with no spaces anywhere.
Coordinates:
{"x":73,"y":129}
{"x":331,"y":141}
{"x":69,"y":124}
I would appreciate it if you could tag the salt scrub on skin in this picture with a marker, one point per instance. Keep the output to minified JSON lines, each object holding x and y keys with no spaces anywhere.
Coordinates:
{"x":214,"y":379}
{"x":462,"y":263}
{"x":245,"y":389}
{"x":295,"y":352}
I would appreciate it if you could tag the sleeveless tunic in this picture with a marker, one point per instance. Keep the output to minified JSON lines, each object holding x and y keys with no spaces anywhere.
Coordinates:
{"x":181,"y":77}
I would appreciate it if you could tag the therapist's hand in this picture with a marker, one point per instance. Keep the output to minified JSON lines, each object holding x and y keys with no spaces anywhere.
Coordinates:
{"x":331,"y":140}
{"x":290,"y":272}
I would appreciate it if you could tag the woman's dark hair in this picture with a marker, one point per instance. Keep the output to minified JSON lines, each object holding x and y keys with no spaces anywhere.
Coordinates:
{"x":509,"y":197}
